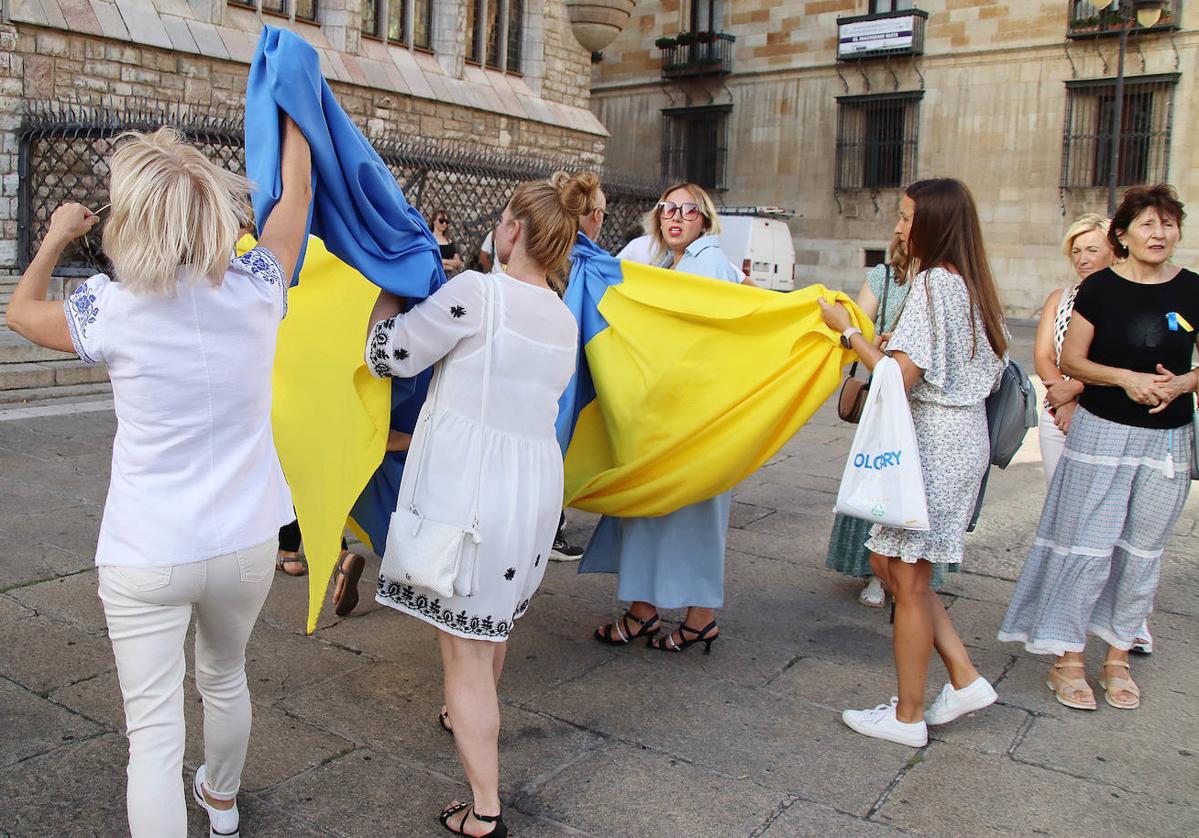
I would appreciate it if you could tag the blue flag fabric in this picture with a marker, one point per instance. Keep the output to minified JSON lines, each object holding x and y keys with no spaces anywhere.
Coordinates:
{"x":358,"y":209}
{"x":592,"y":272}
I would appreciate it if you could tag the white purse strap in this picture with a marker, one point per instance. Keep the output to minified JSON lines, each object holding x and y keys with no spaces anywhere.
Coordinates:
{"x":431,"y":407}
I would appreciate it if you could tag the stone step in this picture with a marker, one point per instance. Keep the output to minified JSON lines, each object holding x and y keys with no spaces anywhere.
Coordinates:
{"x":14,"y":349}
{"x":29,"y":376}
{"x":62,"y":392}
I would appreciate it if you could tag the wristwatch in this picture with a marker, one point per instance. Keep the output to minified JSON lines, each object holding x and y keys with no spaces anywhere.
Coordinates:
{"x":849,"y":333}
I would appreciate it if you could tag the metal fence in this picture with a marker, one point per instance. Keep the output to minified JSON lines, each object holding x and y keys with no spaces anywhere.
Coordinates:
{"x":64,"y":150}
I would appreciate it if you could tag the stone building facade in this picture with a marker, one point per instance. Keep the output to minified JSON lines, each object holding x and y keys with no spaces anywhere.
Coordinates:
{"x":515,"y":81}
{"x":831,"y":106}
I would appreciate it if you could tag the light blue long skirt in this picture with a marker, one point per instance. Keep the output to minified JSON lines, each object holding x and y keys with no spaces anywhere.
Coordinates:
{"x":673,"y":561}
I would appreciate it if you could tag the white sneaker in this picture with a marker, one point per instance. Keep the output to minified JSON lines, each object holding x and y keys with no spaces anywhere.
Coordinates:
{"x":873,"y":595}
{"x":882,"y":724}
{"x":222,"y":823}
{"x":951,"y":703}
{"x":1143,"y":644}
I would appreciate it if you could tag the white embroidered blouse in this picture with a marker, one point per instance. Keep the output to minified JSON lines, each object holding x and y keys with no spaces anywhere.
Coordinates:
{"x":194,"y":468}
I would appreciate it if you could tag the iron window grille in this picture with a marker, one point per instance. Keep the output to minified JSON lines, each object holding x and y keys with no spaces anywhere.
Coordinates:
{"x":877,"y":137}
{"x":1144,"y":131}
{"x":695,"y":145}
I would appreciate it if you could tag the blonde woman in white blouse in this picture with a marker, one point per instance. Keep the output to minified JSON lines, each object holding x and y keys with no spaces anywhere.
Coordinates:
{"x":197,"y":495}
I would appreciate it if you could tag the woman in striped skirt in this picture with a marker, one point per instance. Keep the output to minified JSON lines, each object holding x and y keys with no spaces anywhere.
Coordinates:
{"x":1125,"y":471}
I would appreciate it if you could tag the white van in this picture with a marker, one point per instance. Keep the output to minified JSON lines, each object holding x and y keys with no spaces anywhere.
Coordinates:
{"x":758,"y":240}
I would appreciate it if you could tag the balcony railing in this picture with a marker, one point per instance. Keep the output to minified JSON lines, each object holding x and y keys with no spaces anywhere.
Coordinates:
{"x":696,"y":54}
{"x":887,"y":33}
{"x":1088,"y":21}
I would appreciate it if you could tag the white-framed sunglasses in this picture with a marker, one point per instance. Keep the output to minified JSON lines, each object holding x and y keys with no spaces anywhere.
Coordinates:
{"x":688,"y":209}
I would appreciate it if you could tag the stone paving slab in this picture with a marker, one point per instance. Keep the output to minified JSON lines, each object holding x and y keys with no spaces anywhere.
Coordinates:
{"x":772,"y":739}
{"x":30,"y":725}
{"x":41,"y":654}
{"x":74,"y":791}
{"x":687,"y":800}
{"x":954,"y":791}
{"x":601,"y":741}
{"x":282,"y":746}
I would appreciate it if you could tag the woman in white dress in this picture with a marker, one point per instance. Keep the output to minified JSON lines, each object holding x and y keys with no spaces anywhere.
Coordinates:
{"x":533,"y":350}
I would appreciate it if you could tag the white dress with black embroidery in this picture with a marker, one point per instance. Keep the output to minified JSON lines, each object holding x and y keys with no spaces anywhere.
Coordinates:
{"x":534,"y":346}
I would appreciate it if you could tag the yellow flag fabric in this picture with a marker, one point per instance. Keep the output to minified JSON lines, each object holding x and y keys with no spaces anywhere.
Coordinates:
{"x":698,"y":383}
{"x":330,"y":415}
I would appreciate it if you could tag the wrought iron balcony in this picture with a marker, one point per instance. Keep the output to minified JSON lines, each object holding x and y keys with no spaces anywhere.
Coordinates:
{"x":900,"y":32}
{"x":691,"y":54}
{"x":1089,"y":21}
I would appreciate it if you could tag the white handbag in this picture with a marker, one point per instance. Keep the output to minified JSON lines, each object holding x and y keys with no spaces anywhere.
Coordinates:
{"x":883,"y":481}
{"x":427,"y":553}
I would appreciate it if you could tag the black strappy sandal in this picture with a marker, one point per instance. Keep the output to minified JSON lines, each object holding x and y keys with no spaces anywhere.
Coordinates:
{"x":623,"y":636}
{"x":443,"y":719}
{"x":701,"y":636}
{"x":500,"y":830}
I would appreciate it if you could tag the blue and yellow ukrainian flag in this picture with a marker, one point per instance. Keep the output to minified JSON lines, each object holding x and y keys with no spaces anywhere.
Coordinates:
{"x":685,"y":385}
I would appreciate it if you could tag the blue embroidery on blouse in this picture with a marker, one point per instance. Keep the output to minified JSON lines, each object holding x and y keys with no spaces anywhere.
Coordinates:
{"x":82,"y":312}
{"x":262,"y":264}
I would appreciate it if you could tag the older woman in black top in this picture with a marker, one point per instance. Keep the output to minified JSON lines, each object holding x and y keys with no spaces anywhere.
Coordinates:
{"x":1126,"y":469}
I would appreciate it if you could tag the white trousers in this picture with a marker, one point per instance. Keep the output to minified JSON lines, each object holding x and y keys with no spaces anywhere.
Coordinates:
{"x":148,"y":610}
{"x":1053,"y":442}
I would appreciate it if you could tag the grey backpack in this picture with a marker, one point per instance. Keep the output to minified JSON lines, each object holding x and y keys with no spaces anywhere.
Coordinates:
{"x":1011,"y":411}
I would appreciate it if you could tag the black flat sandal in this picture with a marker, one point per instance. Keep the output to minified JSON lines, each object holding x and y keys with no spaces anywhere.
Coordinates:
{"x":499,"y":831}
{"x":624,"y":635}
{"x":701,"y":636}
{"x":443,"y":719}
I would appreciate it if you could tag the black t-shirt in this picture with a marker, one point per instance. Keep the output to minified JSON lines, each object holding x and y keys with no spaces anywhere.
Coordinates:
{"x":448,"y":250}
{"x":1132,"y":331}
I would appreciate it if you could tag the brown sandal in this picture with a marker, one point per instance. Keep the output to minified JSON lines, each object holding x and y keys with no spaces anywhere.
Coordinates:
{"x":1063,"y":687}
{"x":349,"y":590}
{"x":1112,"y":686}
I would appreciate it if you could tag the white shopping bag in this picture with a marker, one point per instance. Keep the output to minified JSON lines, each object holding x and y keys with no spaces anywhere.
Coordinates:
{"x":882,"y":482}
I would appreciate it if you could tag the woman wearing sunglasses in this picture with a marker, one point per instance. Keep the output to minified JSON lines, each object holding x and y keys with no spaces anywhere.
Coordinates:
{"x":450,"y":260}
{"x":676,"y":560}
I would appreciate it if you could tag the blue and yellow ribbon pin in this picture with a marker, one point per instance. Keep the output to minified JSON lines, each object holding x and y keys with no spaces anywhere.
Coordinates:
{"x":1174,"y":320}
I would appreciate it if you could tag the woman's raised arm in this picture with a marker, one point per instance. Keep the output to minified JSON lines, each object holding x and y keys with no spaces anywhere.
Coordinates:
{"x":283,"y":233}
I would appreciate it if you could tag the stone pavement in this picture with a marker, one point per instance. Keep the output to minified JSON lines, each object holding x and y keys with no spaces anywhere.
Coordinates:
{"x":597,"y":741}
